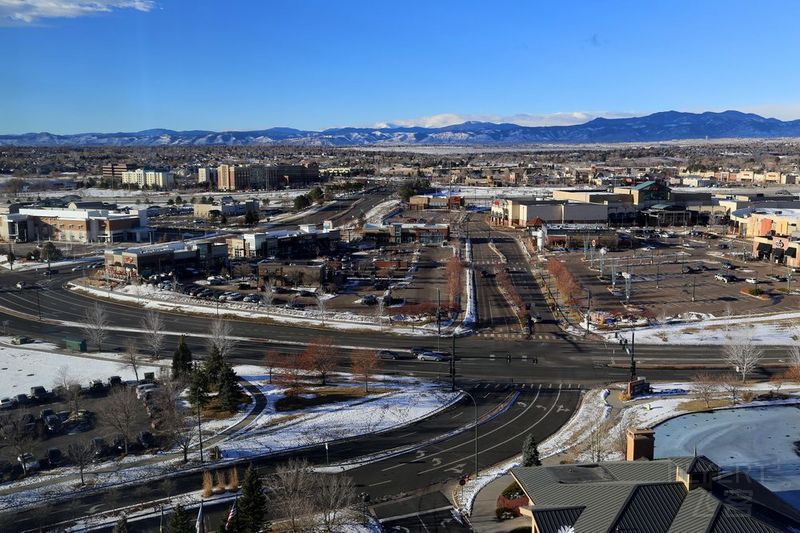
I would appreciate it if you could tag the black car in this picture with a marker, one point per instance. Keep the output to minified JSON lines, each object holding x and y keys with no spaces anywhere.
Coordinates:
{"x":115,"y":381}
{"x":146,"y":439}
{"x":54,"y":457}
{"x":100,"y":448}
{"x":727,"y":266}
{"x":53,"y":423}
{"x":39,"y":394}
{"x":45,"y":413}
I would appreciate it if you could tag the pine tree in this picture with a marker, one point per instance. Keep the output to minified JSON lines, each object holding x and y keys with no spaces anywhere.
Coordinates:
{"x":228,"y":387}
{"x":198,"y":387}
{"x":530,"y":452}
{"x":214,"y":364}
{"x":252,"y":503}
{"x":121,"y":526}
{"x":180,"y":521}
{"x":181,"y":359}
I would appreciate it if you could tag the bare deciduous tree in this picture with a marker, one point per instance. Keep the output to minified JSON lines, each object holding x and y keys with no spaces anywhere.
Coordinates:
{"x":119,"y":412}
{"x":272,"y":360}
{"x":153,"y":326}
{"x":292,"y":373}
{"x":96,"y":325}
{"x":319,"y":358}
{"x":335,"y":495}
{"x":81,"y":455}
{"x":364,"y":363}
{"x":743,"y":355}
{"x":221,"y":338}
{"x":268,"y":295}
{"x":705,"y":386}
{"x":132,"y":358}
{"x":730,"y":383}
{"x":174,"y":417}
{"x":321,"y":306}
{"x":292,"y":485}
{"x":69,"y":386}
{"x":15,"y":433}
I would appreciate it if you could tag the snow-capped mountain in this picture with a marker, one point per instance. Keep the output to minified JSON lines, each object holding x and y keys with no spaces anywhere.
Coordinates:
{"x":665,"y":126}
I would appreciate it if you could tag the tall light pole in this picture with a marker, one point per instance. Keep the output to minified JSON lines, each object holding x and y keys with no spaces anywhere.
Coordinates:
{"x":438,"y":317}
{"x":476,"y":429}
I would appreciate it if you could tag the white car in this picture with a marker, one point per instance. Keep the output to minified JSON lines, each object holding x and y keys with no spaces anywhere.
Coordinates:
{"x":754,"y":281}
{"x":143,"y":389}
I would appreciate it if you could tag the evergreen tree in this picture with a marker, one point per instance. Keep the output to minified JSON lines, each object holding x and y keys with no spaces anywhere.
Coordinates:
{"x":181,"y":359}
{"x":228,"y":387}
{"x":214,"y":364}
{"x":252,"y":503}
{"x":251,"y":218}
{"x":180,"y":521}
{"x":198,"y":388}
{"x":121,"y":526}
{"x":530,"y":452}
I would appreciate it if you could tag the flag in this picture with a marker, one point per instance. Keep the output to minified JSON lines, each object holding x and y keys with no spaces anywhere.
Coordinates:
{"x":232,"y":514}
{"x":199,"y":526}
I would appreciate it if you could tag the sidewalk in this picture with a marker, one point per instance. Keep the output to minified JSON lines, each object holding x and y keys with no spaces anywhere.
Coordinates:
{"x":483,"y":517}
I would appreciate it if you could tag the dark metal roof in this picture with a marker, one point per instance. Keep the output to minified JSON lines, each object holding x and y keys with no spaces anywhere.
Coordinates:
{"x":651,"y":508}
{"x":730,"y":520}
{"x":696,"y":465}
{"x":554,"y":519}
{"x":696,"y":513}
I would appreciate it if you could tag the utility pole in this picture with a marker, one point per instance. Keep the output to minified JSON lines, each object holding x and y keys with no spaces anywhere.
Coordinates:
{"x":438,"y":317}
{"x":588,"y":312}
{"x":453,"y":365}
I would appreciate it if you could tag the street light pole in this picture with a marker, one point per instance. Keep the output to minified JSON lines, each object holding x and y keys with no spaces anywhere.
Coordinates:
{"x":476,"y":429}
{"x":438,"y":317}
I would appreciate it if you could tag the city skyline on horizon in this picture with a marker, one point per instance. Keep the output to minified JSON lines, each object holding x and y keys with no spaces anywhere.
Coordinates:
{"x":126,"y":66}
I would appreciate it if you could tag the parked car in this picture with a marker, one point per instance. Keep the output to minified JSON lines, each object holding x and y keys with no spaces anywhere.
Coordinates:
{"x":727,"y":265}
{"x":39,"y":394}
{"x":44,"y":413}
{"x":753,"y":281}
{"x":7,"y":403}
{"x":21,"y":285}
{"x":142,"y":389}
{"x":28,"y":462}
{"x":724,"y":278}
{"x":97,"y":387}
{"x":54,"y":457}
{"x":115,"y":381}
{"x":369,"y":300}
{"x":21,"y":399}
{"x":53,"y":424}
{"x":146,"y":439}
{"x":100,"y":448}
{"x":21,"y":339}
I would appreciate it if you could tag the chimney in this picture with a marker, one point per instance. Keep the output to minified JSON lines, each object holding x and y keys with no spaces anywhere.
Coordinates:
{"x":640,"y":444}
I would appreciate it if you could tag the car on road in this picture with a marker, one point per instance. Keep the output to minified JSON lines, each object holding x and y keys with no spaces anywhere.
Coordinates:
{"x":752,"y":281}
{"x":434,"y":356}
{"x":21,"y":339}
{"x":388,"y":355}
{"x":725,"y":278}
{"x":369,"y":300}
{"x":21,"y":285}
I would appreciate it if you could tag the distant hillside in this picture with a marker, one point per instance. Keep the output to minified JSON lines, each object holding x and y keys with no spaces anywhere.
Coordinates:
{"x":665,"y":126}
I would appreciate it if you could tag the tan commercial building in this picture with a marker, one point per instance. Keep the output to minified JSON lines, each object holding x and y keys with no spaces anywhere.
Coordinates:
{"x":74,"y":225}
{"x":524,"y":213}
{"x":227,"y":207}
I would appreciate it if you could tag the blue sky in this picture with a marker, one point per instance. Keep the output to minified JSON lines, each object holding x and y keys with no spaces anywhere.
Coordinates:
{"x":125,"y":65}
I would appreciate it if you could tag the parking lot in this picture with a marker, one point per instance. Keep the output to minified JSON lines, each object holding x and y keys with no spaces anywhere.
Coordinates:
{"x":36,"y":425}
{"x":677,"y":273}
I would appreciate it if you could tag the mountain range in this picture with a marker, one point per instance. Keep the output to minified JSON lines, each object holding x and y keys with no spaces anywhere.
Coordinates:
{"x":663,"y":126}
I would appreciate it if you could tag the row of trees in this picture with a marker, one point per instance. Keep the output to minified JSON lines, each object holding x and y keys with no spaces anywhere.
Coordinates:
{"x":566,"y":283}
{"x":316,"y":362}
{"x":455,"y":278}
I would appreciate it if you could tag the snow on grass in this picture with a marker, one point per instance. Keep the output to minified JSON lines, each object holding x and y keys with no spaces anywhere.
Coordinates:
{"x":391,"y":404}
{"x":37,"y":364}
{"x":25,"y":265}
{"x":763,"y":329}
{"x":380,"y":212}
{"x":151,"y":297}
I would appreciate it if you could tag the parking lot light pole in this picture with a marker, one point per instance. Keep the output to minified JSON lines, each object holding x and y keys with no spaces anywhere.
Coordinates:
{"x":471,"y":397}
{"x":438,"y":317}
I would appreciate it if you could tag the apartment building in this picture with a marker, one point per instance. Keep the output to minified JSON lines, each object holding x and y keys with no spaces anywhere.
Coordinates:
{"x":243,"y":177}
{"x":156,"y":179}
{"x":114,"y":171}
{"x":207,"y":175}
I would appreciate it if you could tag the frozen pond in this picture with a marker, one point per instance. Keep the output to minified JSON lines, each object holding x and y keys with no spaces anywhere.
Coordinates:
{"x":763,"y":441}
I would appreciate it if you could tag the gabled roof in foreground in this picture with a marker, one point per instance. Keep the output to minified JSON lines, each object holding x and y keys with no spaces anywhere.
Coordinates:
{"x":637,"y":496}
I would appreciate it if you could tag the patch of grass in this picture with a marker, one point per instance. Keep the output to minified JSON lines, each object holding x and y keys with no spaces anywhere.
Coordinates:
{"x":214,"y":410}
{"x":281,"y":420}
{"x":700,"y":405}
{"x":691,"y":331}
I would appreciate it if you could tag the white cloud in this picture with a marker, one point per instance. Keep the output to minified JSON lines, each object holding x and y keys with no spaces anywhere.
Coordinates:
{"x":522,"y":119}
{"x":22,"y":12}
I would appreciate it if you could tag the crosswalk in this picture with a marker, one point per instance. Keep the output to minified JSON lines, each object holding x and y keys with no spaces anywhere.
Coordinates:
{"x":499,"y":387}
{"x":535,"y":336}
{"x":514,"y":264}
